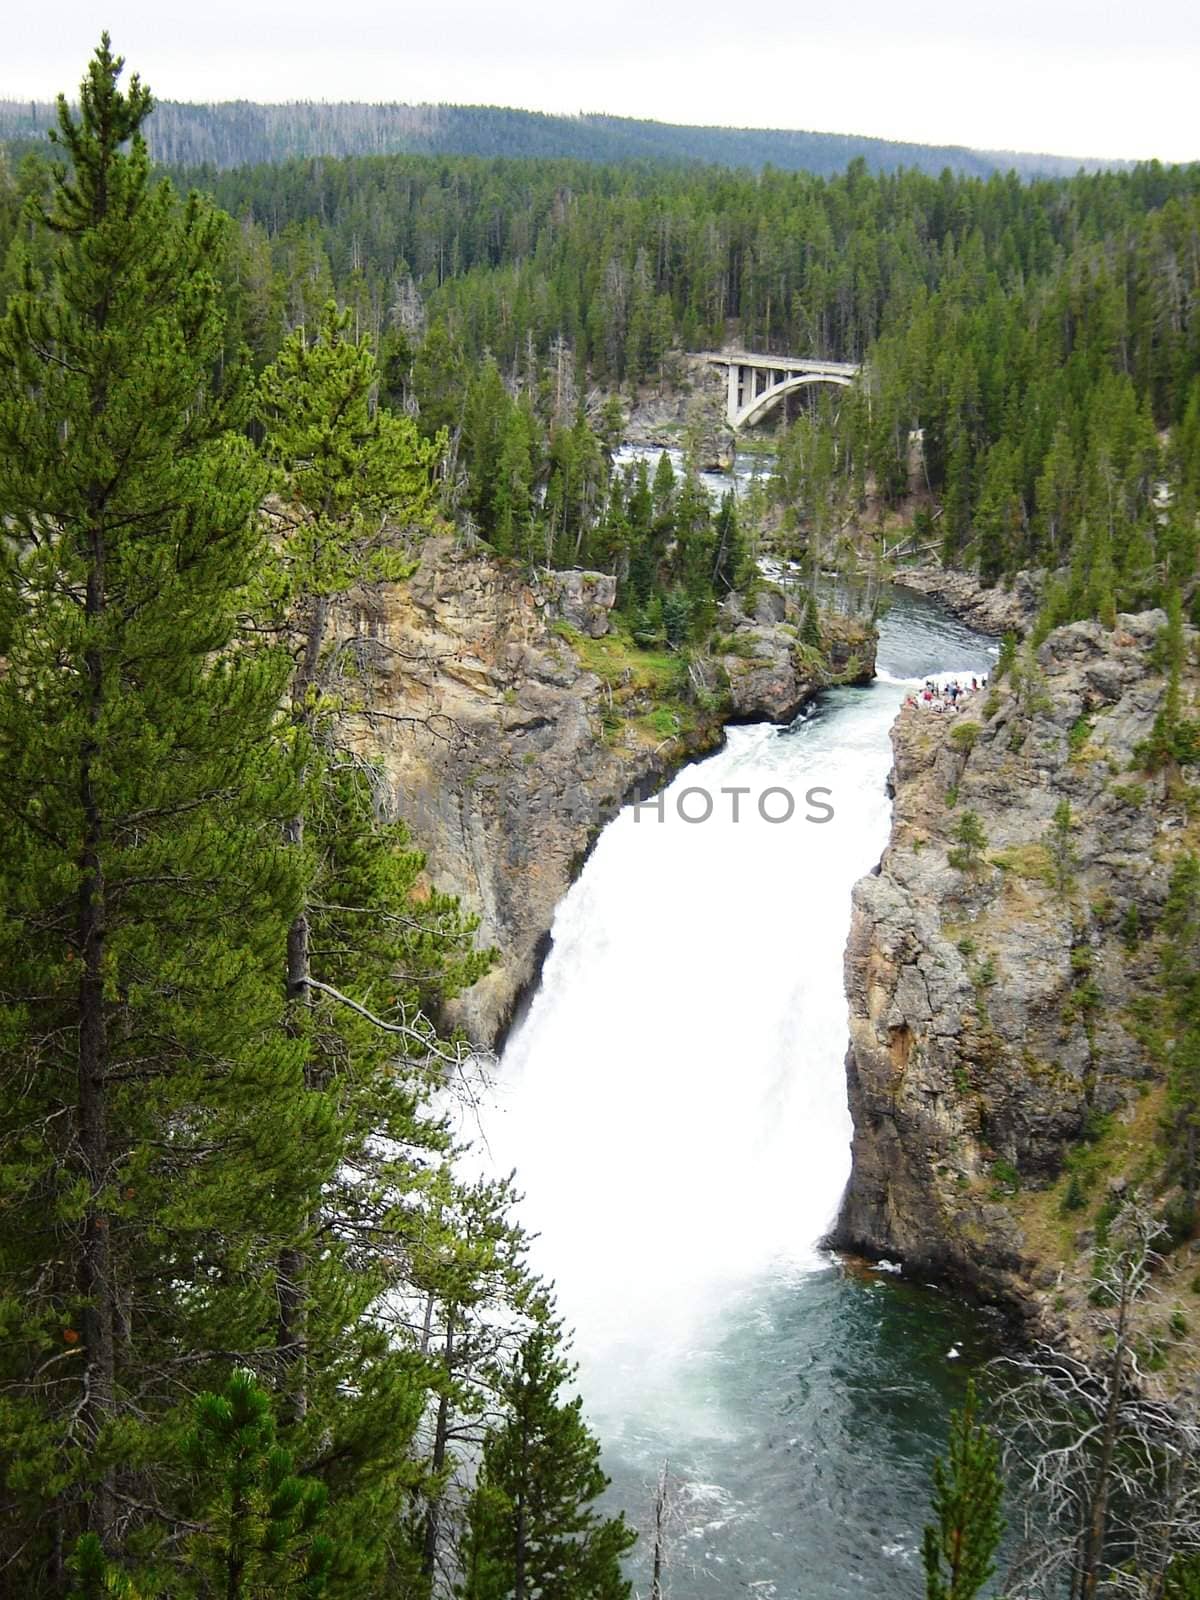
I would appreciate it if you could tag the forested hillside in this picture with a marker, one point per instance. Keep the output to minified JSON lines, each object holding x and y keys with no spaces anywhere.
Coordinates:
{"x":1041,"y":339}
{"x":241,"y":133}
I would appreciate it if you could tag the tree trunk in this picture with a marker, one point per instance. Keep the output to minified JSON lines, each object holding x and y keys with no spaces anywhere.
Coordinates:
{"x":521,"y":1528}
{"x":437,"y":1460}
{"x":291,"y":1269}
{"x":291,"y":1328}
{"x":235,"y":1559}
{"x":1094,"y":1536}
{"x":660,"y":1518}
{"x":96,"y":1283}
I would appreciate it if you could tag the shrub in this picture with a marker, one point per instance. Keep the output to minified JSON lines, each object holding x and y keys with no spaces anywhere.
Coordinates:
{"x":1129,"y":794}
{"x":1179,"y":1216}
{"x":1077,"y":738}
{"x":1006,"y":1175}
{"x":970,"y":841}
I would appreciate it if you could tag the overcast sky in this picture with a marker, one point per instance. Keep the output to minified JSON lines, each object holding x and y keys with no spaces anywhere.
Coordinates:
{"x":1074,"y":77}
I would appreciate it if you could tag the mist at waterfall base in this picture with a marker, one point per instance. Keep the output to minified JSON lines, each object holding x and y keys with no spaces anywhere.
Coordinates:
{"x":674,"y":1104}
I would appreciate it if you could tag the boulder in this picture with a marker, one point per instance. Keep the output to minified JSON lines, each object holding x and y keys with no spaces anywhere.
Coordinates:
{"x":581,"y":599}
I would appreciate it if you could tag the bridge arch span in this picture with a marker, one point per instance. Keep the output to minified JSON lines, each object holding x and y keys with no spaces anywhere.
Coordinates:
{"x":755,"y":382}
{"x":754,"y":409}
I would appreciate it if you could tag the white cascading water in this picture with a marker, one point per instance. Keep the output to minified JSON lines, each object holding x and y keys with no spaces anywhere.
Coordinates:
{"x":674,"y":1101}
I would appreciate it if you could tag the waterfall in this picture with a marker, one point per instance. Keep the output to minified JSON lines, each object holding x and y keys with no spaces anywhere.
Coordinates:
{"x":674,"y":1101}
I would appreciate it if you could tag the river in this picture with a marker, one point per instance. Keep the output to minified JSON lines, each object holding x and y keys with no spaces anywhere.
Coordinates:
{"x":748,"y":467}
{"x":674,"y":1103}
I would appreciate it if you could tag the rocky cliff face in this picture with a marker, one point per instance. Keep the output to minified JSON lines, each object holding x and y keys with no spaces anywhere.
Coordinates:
{"x":1009,"y":609}
{"x":992,"y":1004}
{"x":765,"y":673}
{"x":512,"y":725}
{"x":691,"y":406}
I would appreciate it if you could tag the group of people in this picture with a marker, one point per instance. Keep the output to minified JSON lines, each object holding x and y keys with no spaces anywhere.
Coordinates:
{"x":950,"y":696}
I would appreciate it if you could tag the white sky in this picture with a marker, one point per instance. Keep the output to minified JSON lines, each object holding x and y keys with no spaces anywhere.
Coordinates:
{"x":1073,"y":77}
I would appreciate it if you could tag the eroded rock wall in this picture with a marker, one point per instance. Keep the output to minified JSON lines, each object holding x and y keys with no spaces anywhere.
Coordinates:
{"x":992,"y":1007}
{"x":505,"y":755}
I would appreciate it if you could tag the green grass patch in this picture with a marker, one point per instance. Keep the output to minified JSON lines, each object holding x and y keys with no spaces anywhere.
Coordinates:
{"x":1029,"y":861}
{"x":1005,"y":1178}
{"x":621,"y":664}
{"x":664,"y":722}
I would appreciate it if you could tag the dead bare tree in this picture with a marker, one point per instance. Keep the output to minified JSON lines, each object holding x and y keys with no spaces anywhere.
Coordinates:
{"x":663,"y":1528}
{"x":661,"y":1511}
{"x":1111,"y":1472}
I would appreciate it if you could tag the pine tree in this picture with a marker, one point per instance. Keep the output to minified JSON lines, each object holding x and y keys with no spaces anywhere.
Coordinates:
{"x":1060,"y":845}
{"x":469,"y":1266}
{"x":358,"y":492}
{"x":261,"y":1519}
{"x":1007,"y":659}
{"x":258,"y":1537}
{"x":729,"y":556}
{"x":960,"y":1544}
{"x":377,"y":932}
{"x":512,"y":497}
{"x":970,"y":843}
{"x":810,"y":625}
{"x":1181,"y":977}
{"x":677,"y":615}
{"x":998,"y":517}
{"x":151,"y":1104}
{"x":532,"y":1529}
{"x":357,"y":483}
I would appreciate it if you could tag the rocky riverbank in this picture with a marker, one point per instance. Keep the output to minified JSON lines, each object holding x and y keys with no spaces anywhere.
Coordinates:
{"x":999,"y":610}
{"x":1001,"y":1090}
{"x":512,"y":722}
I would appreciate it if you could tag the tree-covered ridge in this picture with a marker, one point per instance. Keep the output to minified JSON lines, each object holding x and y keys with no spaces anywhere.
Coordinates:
{"x":243,"y":133}
{"x":1039,"y":339}
{"x":609,"y":258}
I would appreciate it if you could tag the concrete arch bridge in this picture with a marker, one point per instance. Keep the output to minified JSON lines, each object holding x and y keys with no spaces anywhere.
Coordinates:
{"x":757,"y":383}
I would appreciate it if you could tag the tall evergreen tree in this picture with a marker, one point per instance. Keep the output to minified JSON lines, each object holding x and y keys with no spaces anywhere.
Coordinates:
{"x":367,"y":960}
{"x":151,"y":1102}
{"x":357,"y":486}
{"x":532,"y":1527}
{"x":960,"y":1544}
{"x":1181,"y":975}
